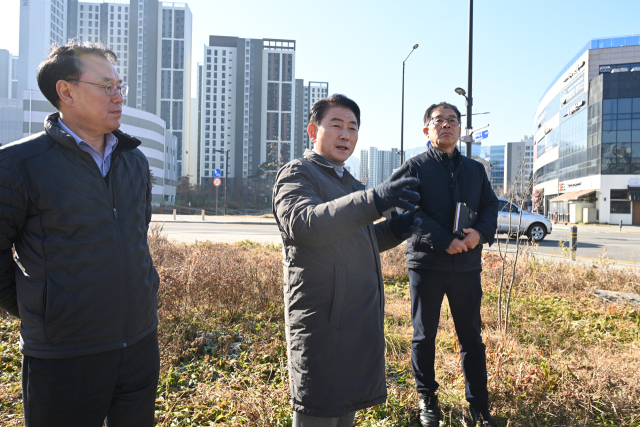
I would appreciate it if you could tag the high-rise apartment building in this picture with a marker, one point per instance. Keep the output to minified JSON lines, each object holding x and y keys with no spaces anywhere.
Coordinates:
{"x":518,"y":164}
{"x":307,"y":96}
{"x":152,"y":40}
{"x":172,"y":83}
{"x":496,"y":160}
{"x":8,"y":75}
{"x":364,"y":167}
{"x":381,"y":164}
{"x":42,"y":23}
{"x":248,"y":106}
{"x":107,"y":22}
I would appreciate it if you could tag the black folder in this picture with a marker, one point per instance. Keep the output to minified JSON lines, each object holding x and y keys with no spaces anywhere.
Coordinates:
{"x":465,"y":218}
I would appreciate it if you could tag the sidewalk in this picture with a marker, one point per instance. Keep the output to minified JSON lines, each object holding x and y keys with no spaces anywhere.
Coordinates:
{"x":605,"y":228}
{"x":213,"y":219}
{"x":566,"y":260}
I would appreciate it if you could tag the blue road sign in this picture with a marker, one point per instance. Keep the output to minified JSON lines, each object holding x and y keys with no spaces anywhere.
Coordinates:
{"x":481,"y":135}
{"x":217,"y":173}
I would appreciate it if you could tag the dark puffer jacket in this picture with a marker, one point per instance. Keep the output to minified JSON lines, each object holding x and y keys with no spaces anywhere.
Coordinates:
{"x":333,"y":290}
{"x":83,"y":281}
{"x":442,"y":185}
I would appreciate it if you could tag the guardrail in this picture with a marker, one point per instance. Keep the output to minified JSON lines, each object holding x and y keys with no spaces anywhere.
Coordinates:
{"x":165,"y":208}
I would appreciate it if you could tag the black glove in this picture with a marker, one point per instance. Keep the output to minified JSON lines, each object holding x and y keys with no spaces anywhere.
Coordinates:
{"x":405,"y":224}
{"x":390,"y":193}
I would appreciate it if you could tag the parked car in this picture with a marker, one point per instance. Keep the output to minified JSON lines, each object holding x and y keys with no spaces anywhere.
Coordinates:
{"x":533,"y":225}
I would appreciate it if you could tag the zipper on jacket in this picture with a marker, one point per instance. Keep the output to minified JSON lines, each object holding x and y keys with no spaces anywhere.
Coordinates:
{"x":111,"y":182}
{"x":114,"y":163}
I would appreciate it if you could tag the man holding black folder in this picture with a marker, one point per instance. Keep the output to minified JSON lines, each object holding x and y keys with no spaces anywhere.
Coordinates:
{"x":453,"y":190}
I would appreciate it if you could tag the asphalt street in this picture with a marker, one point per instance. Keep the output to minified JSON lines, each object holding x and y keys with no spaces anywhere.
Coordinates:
{"x":594,"y":242}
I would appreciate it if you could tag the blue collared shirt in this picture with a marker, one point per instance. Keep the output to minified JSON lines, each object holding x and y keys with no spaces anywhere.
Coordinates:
{"x":103,"y":162}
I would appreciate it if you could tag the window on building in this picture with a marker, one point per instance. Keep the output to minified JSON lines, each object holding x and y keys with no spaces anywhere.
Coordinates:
{"x":619,"y":202}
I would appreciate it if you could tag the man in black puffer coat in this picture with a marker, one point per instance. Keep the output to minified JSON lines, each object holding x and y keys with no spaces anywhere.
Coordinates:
{"x":75,"y":200}
{"x":439,"y":263}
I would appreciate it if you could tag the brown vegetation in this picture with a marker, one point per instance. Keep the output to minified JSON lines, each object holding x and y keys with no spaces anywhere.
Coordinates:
{"x":569,"y":359}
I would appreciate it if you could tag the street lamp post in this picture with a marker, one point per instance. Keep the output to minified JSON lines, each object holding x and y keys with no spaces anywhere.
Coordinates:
{"x":469,"y":77}
{"x":226,"y":178}
{"x":415,"y":46}
{"x":467,"y":138}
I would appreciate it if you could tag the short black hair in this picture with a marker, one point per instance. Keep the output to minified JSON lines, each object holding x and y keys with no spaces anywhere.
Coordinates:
{"x":440,"y":106}
{"x":63,"y":63}
{"x":319,"y":109}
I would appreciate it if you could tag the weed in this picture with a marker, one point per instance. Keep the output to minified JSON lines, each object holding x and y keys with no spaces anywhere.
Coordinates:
{"x":569,"y":358}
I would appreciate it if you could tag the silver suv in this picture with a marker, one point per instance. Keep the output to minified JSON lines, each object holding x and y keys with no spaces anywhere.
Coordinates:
{"x":534,"y":226}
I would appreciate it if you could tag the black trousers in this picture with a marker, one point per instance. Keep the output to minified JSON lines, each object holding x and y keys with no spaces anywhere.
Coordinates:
{"x":464,"y":293}
{"x":117,"y":387}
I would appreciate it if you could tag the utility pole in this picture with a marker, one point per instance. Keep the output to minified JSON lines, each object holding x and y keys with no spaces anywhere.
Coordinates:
{"x":226,"y":177}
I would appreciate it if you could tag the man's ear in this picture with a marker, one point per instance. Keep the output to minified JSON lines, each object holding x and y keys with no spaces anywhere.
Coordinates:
{"x":65,"y":89}
{"x":312,"y":130}
{"x":425,"y":130}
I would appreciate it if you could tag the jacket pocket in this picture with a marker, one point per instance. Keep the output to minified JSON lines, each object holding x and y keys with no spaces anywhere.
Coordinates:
{"x":338,"y":297}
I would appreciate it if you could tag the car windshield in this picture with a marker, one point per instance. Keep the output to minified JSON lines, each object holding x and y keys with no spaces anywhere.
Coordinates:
{"x":507,"y":207}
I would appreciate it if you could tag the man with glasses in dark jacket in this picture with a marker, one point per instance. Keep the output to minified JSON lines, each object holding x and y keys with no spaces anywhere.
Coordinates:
{"x":441,"y":264}
{"x":75,"y":202}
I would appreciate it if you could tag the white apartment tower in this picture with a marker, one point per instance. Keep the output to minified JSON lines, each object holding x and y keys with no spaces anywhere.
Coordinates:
{"x":364,"y":167}
{"x":151,"y":39}
{"x":107,"y":22}
{"x":382,"y":163}
{"x":8,"y":75}
{"x":312,"y":93}
{"x":518,"y":164}
{"x":217,"y":114}
{"x":247,"y":103}
{"x":42,"y":23}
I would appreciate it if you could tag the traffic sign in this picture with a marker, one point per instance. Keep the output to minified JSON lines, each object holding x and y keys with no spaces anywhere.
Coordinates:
{"x":217,"y":173}
{"x":481,"y":135}
{"x":217,"y":181}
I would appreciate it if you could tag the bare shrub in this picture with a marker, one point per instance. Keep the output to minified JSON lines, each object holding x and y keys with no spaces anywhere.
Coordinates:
{"x":204,"y":281}
{"x":569,"y":358}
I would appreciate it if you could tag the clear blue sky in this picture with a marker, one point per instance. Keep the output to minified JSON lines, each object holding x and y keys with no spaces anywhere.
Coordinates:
{"x":359,"y":46}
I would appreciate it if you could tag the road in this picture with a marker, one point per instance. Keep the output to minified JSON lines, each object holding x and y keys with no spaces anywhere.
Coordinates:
{"x":222,"y":233}
{"x":594,"y":242}
{"x":219,"y":229}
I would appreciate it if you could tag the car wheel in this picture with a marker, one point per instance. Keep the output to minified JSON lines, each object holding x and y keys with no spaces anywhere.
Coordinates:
{"x":537,"y":232}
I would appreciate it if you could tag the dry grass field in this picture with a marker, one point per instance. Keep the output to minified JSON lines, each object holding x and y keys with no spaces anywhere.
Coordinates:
{"x":569,"y":359}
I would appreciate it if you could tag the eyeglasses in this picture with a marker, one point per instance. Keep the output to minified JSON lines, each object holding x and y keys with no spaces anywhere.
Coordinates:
{"x":439,"y":121}
{"x":109,"y":88}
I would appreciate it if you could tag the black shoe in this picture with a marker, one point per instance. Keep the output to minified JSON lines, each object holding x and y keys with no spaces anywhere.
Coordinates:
{"x":429,"y":410}
{"x":480,"y":416}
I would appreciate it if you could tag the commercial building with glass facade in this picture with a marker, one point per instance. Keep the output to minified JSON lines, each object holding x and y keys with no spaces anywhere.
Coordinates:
{"x":587,"y":136}
{"x":496,"y":159}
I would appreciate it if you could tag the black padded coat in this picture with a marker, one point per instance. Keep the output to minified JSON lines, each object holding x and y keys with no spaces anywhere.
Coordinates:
{"x":443,"y":183}
{"x":82,"y":280}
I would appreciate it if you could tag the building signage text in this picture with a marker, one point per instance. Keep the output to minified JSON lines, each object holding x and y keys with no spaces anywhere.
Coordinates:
{"x":572,"y":90}
{"x":575,"y":71}
{"x":573,"y":186}
{"x":575,"y":107}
